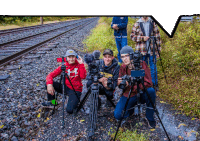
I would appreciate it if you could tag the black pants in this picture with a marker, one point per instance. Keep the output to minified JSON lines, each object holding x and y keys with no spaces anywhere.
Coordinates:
{"x":72,"y":101}
{"x":102,"y":91}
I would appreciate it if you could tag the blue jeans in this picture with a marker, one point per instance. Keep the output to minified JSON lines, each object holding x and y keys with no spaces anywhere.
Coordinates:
{"x":132,"y":102}
{"x":149,"y":60}
{"x":120,"y":42}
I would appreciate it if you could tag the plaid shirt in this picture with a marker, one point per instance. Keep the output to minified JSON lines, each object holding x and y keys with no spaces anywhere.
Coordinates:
{"x":138,"y":37}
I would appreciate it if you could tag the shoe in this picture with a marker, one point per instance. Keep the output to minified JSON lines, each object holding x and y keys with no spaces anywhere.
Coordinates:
{"x":48,"y":103}
{"x":152,"y":124}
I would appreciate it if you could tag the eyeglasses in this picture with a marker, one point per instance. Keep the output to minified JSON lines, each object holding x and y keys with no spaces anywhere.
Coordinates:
{"x":123,"y":57}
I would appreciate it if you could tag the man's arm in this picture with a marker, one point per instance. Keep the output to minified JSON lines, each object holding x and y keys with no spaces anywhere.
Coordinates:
{"x":136,"y":33}
{"x":123,"y":24}
{"x":50,"y":76}
{"x":157,"y":35}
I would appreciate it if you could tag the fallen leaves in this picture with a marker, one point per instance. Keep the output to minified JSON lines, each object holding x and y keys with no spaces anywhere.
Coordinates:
{"x":82,"y":120}
{"x":180,"y":137}
{"x":38,"y":115}
{"x":182,"y":124}
{"x":162,"y":102}
{"x":152,"y":129}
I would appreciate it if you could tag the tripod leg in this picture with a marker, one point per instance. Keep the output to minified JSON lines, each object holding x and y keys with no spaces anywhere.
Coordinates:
{"x":83,"y":101}
{"x":73,"y":88}
{"x":156,"y":111}
{"x":93,"y":110}
{"x":161,"y":61}
{"x":123,"y":113}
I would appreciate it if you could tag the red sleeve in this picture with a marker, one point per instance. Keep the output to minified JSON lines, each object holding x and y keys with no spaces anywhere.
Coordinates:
{"x":82,"y":71}
{"x":50,"y":76}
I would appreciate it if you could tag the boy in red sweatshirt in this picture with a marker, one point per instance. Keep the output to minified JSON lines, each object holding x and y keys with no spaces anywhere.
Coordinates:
{"x":76,"y":72}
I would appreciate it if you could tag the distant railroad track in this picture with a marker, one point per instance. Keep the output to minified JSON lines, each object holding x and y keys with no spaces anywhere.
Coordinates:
{"x":14,"y":49}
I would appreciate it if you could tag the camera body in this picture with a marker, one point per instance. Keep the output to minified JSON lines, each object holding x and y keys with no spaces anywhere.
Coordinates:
{"x":136,"y":57}
{"x":93,"y":66}
{"x":135,"y":74}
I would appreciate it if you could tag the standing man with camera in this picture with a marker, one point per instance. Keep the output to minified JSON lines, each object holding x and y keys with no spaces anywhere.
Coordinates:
{"x":125,"y":69}
{"x":76,"y":72}
{"x":109,"y":68}
{"x":119,"y":24}
{"x":143,"y":31}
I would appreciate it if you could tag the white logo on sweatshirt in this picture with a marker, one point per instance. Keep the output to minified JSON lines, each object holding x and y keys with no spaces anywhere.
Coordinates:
{"x":73,"y":71}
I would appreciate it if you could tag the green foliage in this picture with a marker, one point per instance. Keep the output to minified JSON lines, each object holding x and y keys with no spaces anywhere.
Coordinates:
{"x":21,"y":20}
{"x":127,"y":135}
{"x":102,"y":37}
{"x":181,"y":60}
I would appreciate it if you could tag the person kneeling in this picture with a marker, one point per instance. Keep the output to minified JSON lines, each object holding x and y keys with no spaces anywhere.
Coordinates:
{"x":109,"y":68}
{"x":76,"y":72}
{"x":125,"y":69}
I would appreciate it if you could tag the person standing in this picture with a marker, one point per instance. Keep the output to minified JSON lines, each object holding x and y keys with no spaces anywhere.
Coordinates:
{"x":142,"y":32}
{"x":119,"y":24}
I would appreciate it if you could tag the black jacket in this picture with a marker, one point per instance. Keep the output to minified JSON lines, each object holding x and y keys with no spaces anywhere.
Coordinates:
{"x":112,"y":70}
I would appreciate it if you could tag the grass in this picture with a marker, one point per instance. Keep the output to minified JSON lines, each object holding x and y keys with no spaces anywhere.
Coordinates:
{"x":128,"y":135}
{"x":16,"y":21}
{"x":180,"y":58}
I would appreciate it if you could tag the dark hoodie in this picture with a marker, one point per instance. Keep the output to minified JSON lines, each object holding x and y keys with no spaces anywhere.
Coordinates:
{"x":110,"y":71}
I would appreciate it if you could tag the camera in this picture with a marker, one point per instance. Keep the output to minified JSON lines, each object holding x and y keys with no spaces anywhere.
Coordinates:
{"x":136,"y":57}
{"x":137,"y":73}
{"x":110,"y":82}
{"x":125,"y":78}
{"x":93,"y":64}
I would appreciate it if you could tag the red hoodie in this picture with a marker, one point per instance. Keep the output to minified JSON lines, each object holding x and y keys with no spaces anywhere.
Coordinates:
{"x":76,"y":73}
{"x":124,"y":70}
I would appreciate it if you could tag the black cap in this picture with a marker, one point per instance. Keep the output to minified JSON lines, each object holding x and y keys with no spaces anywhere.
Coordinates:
{"x":108,"y":51}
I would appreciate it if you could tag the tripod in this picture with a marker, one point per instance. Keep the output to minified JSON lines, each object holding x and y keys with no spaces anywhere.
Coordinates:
{"x":139,"y":80}
{"x":155,"y":46}
{"x":94,"y":91}
{"x":62,"y":79}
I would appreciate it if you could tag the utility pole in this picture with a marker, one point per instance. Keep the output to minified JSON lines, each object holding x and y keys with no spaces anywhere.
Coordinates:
{"x":41,"y":20}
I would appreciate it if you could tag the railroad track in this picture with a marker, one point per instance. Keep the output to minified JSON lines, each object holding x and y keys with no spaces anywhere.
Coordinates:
{"x":21,"y":29}
{"x":14,"y":49}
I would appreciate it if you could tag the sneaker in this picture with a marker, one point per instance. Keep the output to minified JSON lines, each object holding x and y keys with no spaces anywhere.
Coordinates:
{"x":152,"y":124}
{"x":47,"y":103}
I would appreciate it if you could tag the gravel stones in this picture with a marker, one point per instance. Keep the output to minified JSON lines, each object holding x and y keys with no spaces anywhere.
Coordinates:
{"x":23,"y":92}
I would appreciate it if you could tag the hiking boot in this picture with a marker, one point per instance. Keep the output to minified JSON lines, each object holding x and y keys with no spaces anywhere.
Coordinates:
{"x":152,"y":124}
